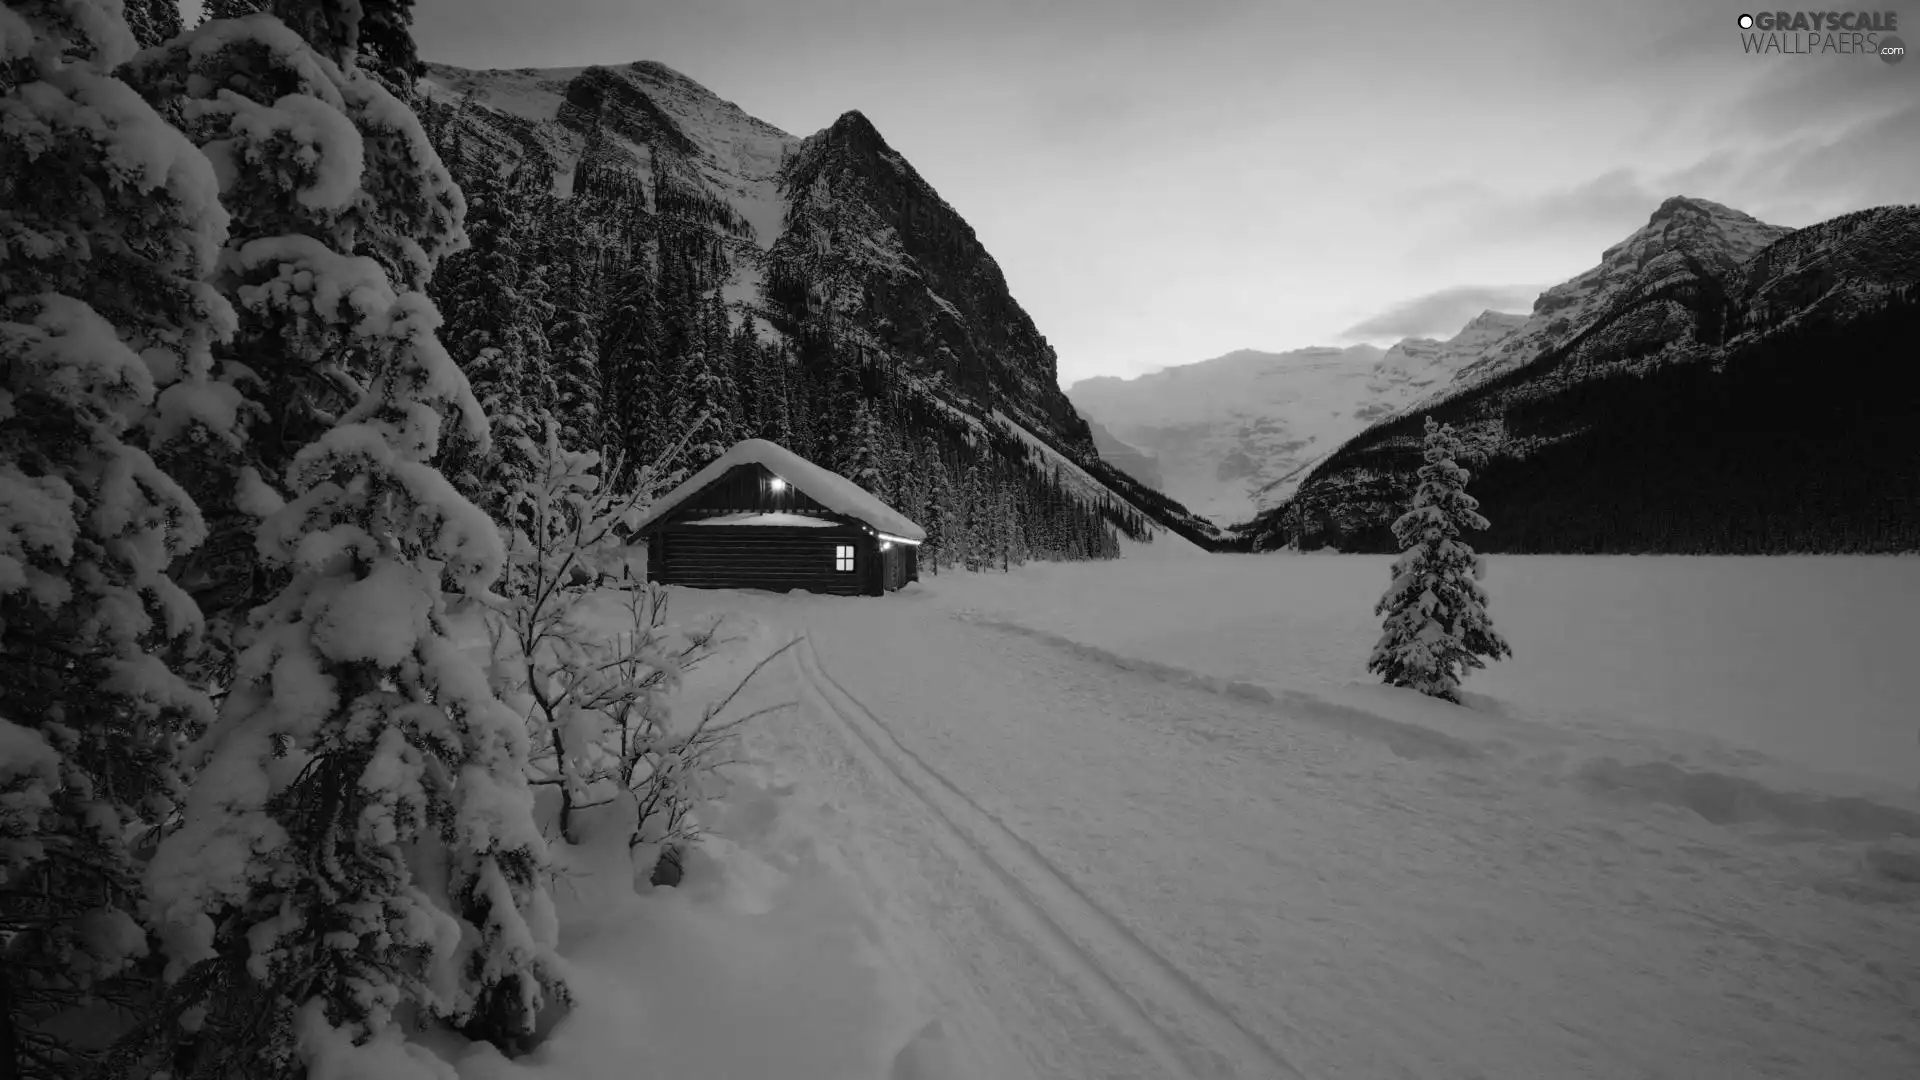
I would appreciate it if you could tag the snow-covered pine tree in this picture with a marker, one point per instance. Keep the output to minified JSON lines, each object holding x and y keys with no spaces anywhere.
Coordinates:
{"x":493,"y":330}
{"x":866,"y":452}
{"x":1436,"y":627}
{"x":716,"y":327}
{"x":707,"y":404}
{"x":232,"y":9}
{"x":628,"y":370}
{"x":936,"y":520}
{"x":976,"y":537}
{"x":1012,"y":552}
{"x":386,"y":41}
{"x":898,"y":464}
{"x":153,"y":21}
{"x":111,"y":222}
{"x":575,"y":347}
{"x":776,"y":408}
{"x":359,"y":846}
{"x":802,"y":408}
{"x":744,"y":351}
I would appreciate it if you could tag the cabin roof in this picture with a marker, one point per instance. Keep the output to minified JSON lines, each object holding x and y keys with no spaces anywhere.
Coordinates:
{"x":829,"y":489}
{"x":783,"y":520}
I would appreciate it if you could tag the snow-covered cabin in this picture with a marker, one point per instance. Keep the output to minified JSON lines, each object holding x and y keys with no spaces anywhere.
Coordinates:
{"x":762,"y":517}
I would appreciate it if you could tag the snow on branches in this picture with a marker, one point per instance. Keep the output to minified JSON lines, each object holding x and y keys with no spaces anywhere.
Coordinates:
{"x":598,"y":702}
{"x":361,"y":830}
{"x":109,"y":222}
{"x":1436,"y":626}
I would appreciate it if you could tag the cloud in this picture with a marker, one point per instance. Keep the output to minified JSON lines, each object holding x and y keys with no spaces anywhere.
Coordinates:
{"x":1454,"y":194}
{"x":1610,"y":205}
{"x":1710,"y":172}
{"x":1808,"y":174}
{"x":1443,"y":313}
{"x":1871,"y":163}
{"x":1797,"y":94}
{"x":1617,"y":201}
{"x":1615,"y":195}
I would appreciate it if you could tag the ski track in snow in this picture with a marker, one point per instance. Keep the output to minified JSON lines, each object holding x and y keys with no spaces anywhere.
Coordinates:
{"x":1186,"y":1031}
{"x":944,"y":922}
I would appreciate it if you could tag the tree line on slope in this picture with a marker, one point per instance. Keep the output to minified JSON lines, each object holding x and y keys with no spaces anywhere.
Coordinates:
{"x":605,"y":309}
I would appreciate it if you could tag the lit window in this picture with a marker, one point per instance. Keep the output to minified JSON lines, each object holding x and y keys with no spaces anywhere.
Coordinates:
{"x":843,"y":557}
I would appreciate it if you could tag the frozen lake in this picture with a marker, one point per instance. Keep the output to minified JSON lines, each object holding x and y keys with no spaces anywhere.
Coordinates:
{"x":1805,"y":660}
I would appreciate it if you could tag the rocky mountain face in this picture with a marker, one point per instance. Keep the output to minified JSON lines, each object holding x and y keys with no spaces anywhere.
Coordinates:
{"x":866,"y":234}
{"x":1686,"y":240}
{"x":829,"y":242}
{"x":1236,"y":434}
{"x":1125,"y":456}
{"x":1423,"y":365}
{"x":1715,"y":384}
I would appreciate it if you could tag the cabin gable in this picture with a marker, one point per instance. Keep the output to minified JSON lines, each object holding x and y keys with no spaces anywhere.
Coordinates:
{"x":749,"y":487}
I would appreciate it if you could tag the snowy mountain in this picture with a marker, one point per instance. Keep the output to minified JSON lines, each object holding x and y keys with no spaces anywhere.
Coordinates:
{"x":1236,"y":433}
{"x":832,"y":247}
{"x":1239,"y":434}
{"x":1685,"y":239}
{"x":1714,"y":385}
{"x":1420,"y":363}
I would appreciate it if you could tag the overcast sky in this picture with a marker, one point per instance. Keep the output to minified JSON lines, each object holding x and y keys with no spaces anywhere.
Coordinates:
{"x":1164,"y":181}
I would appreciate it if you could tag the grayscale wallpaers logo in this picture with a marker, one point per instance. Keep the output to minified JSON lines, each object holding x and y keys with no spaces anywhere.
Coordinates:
{"x":1806,"y":33}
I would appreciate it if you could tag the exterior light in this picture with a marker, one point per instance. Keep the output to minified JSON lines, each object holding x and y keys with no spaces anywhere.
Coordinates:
{"x":779,"y":484}
{"x":885,"y":545}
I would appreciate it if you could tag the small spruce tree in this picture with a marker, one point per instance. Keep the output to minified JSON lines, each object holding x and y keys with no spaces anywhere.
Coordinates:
{"x":1436,"y":627}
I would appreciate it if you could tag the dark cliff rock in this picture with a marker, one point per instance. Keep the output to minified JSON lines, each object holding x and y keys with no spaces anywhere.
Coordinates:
{"x":894,"y":251}
{"x":1849,"y":257}
{"x":598,"y":97}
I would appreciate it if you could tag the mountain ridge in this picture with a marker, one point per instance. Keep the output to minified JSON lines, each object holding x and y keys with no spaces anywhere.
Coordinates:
{"x":1706,"y":342}
{"x":1233,"y":434}
{"x":1679,"y":229}
{"x":1684,"y":240}
{"x":832,"y":246}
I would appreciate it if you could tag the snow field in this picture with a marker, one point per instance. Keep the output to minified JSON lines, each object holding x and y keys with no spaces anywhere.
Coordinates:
{"x":761,"y":962}
{"x":1389,"y":886}
{"x":1793,"y":665}
{"x":1147,"y":818}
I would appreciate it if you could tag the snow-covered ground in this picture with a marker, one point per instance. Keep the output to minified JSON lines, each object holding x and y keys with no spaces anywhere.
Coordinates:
{"x":1803,"y":659}
{"x":1149,"y":819}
